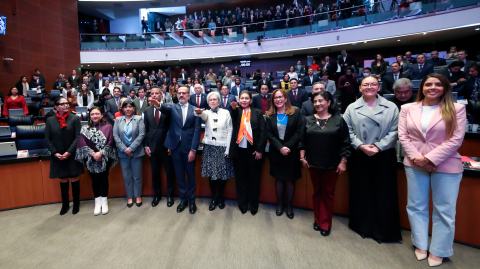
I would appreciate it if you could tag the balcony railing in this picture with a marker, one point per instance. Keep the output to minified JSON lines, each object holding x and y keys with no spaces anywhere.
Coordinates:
{"x":332,"y":20}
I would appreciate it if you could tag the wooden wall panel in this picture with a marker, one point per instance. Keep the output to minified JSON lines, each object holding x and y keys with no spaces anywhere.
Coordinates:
{"x":37,"y":37}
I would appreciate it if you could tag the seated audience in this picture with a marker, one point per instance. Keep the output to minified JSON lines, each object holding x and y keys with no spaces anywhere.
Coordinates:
{"x":262,"y":101}
{"x":14,"y":100}
{"x":455,"y":76}
{"x":127,"y":86}
{"x":452,"y":53}
{"x":59,"y":84}
{"x":409,"y":59}
{"x":472,"y":89}
{"x":299,"y":68}
{"x":166,"y":97}
{"x":211,"y":76}
{"x":403,"y":63}
{"x":227,"y":78}
{"x":285,"y":83}
{"x":462,"y":56}
{"x":297,"y":96}
{"x":435,"y":60}
{"x":402,"y":88}
{"x":292,"y":73}
{"x":315,"y":66}
{"x":264,"y":80}
{"x":310,"y":78}
{"x":421,"y":69}
{"x":389,"y":80}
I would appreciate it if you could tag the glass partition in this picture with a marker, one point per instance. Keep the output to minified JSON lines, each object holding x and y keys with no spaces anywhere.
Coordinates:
{"x":275,"y":26}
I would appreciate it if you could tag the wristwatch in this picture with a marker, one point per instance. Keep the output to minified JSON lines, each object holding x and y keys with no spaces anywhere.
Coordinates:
{"x":344,"y":160}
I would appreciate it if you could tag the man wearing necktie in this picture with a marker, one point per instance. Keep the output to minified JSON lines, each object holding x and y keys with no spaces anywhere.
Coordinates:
{"x":182,"y":140}
{"x":389,"y":80}
{"x":226,"y":98}
{"x":157,"y":125}
{"x":198,"y":99}
{"x":310,"y":79}
{"x":297,"y":96}
{"x":421,"y":68}
{"x":112,"y":106}
{"x":263,"y":81}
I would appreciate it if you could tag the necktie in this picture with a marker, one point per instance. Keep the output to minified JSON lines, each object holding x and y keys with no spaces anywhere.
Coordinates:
{"x":295,"y":94}
{"x":198,"y":100}
{"x":420,"y":67}
{"x":157,"y":117}
{"x":224,"y":101}
{"x":396,"y":77}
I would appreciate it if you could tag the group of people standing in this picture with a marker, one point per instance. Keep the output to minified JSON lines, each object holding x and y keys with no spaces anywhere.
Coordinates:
{"x":431,"y":130}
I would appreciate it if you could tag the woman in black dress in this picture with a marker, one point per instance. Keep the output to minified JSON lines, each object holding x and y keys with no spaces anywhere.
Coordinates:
{"x":246,"y":150}
{"x":61,"y":135}
{"x":324,"y":148}
{"x":284,"y":124}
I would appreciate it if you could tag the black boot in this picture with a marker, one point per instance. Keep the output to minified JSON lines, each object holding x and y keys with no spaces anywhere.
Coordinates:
{"x":64,"y":186}
{"x":76,"y":196}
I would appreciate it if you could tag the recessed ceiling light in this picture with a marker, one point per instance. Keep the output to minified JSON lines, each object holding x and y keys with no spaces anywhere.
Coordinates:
{"x":114,"y":67}
{"x":399,"y":40}
{"x":88,"y":65}
{"x":110,"y":62}
{"x":365,"y":42}
{"x":424,"y":33}
{"x":477,"y":29}
{"x":173,"y":9}
{"x":128,"y":64}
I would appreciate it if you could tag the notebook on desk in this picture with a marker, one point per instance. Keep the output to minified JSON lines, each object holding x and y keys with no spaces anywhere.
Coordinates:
{"x":8,"y":149}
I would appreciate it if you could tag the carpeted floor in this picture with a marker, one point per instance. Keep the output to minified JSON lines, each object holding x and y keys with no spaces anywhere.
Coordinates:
{"x":146,"y":237}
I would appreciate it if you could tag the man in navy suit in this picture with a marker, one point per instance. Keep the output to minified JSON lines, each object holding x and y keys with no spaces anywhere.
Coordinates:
{"x":435,"y":60}
{"x":238,"y":88}
{"x":297,"y":96}
{"x":421,"y":69}
{"x":262,"y":101}
{"x":182,"y":141}
{"x":310,"y":78}
{"x":226,"y":98}
{"x":198,"y":99}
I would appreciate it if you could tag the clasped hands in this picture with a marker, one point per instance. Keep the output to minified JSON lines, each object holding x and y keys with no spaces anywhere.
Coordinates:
{"x":370,"y":150}
{"x":63,"y":156}
{"x":97,"y":156}
{"x":422,"y":162}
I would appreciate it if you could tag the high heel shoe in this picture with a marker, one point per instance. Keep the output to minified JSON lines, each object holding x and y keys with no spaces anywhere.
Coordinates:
{"x":434,"y":263}
{"x":420,"y":256}
{"x":290,"y":214}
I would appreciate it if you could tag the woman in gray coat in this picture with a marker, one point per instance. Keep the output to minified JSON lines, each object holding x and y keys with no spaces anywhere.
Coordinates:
{"x":372,"y":168}
{"x":128,"y":132}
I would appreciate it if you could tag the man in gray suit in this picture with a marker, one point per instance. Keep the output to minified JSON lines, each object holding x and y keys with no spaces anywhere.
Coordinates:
{"x":133,"y":80}
{"x":307,"y":106}
{"x":329,"y":84}
{"x":141,"y":102}
{"x":166,"y":97}
{"x":226,"y":80}
{"x":112,"y":106}
{"x":127,"y":86}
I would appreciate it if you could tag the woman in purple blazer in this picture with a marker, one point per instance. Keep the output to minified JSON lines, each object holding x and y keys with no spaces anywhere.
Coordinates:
{"x":431,"y":130}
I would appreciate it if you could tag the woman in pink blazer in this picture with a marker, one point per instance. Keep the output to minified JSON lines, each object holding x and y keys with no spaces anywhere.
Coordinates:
{"x":431,"y":130}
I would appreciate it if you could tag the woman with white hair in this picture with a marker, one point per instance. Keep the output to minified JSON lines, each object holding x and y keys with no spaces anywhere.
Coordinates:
{"x":216,"y":163}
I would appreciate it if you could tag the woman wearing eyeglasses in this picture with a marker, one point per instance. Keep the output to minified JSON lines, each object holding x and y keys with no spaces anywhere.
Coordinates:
{"x":62,"y":132}
{"x":372,"y":122}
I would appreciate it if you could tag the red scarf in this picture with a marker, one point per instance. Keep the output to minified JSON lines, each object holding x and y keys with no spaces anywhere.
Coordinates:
{"x":61,"y":120}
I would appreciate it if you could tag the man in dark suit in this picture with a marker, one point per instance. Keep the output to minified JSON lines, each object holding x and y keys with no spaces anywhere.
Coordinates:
{"x":421,"y":69}
{"x":136,"y":75}
{"x":157,"y":125}
{"x":462,"y":56}
{"x":435,"y":60}
{"x":158,"y":25}
{"x":141,"y":102}
{"x":74,"y":79}
{"x":299,"y":68}
{"x":455,"y":75}
{"x":226,"y":98}
{"x":59,"y":84}
{"x":164,"y":80}
{"x":257,"y":75}
{"x":346,"y":60}
{"x":237,"y":72}
{"x":112,"y":106}
{"x":307,"y":106}
{"x":329,"y":67}
{"x":199,"y":99}
{"x":262,"y":101}
{"x":182,"y":140}
{"x":388,"y":80}
{"x":297,"y":96}
{"x":183,"y":75}
{"x":409,"y":58}
{"x":221,"y":71}
{"x":37,"y":82}
{"x":99,"y":82}
{"x":310,"y":78}
{"x":264,"y":80}
{"x":90,"y":85}
{"x":238,"y":88}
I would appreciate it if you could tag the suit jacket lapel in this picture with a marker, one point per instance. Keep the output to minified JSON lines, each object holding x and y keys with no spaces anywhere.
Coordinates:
{"x":273,"y":120}
{"x":416,"y":116}
{"x":179,"y":109}
{"x":436,"y":118}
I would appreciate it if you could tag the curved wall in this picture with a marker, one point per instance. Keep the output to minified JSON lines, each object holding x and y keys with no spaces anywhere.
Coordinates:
{"x":412,"y":26}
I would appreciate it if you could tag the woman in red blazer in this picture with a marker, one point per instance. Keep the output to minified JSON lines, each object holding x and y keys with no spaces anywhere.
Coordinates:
{"x":431,"y":130}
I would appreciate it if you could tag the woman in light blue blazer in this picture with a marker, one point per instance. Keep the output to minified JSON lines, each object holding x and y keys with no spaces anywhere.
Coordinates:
{"x":128,"y":132}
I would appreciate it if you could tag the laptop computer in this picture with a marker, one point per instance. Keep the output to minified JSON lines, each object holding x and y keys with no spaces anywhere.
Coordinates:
{"x":15,"y":112}
{"x":30,"y":92}
{"x":8,"y":149}
{"x":81,"y":109}
{"x":5,"y":131}
{"x":28,"y":100}
{"x":47,"y":109}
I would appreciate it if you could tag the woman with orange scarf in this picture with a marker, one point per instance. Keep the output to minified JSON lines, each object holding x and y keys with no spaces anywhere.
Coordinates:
{"x":246,"y":150}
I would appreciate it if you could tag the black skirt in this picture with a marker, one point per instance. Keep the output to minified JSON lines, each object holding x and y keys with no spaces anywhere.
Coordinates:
{"x":374,"y":196}
{"x":68,"y":168}
{"x":287,"y":170}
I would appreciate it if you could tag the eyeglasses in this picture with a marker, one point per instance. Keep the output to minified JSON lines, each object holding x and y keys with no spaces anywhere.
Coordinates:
{"x":370,"y":85}
{"x":64,"y":104}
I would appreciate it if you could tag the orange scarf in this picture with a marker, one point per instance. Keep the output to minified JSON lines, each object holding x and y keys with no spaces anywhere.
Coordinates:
{"x":244,"y":130}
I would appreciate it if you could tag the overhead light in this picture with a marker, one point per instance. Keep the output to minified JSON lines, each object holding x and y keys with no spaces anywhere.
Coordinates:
{"x":424,"y":33}
{"x":114,"y":67}
{"x":88,"y":65}
{"x":399,"y":40}
{"x":477,"y":29}
{"x":128,"y":64}
{"x":365,"y":42}
{"x":173,"y":9}
{"x":110,"y":62}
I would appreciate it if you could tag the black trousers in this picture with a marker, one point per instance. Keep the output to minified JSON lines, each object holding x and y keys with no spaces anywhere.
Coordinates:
{"x":159,"y":157}
{"x":100,"y":183}
{"x":247,"y":180}
{"x":374,"y":196}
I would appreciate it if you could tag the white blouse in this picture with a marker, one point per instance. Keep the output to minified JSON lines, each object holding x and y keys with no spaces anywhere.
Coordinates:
{"x":90,"y":100}
{"x":427,"y":114}
{"x":293,"y":75}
